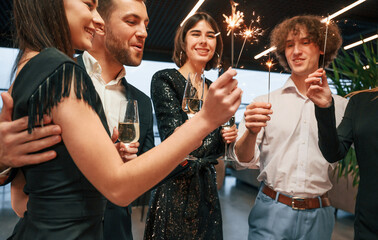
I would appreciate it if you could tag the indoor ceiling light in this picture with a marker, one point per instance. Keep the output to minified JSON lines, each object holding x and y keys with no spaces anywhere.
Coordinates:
{"x":342,"y":10}
{"x":265,"y":52}
{"x":323,"y":20}
{"x":361,"y":42}
{"x":198,"y":5}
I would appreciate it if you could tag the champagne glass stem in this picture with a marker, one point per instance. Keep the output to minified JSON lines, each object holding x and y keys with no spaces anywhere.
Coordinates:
{"x":225,"y":151}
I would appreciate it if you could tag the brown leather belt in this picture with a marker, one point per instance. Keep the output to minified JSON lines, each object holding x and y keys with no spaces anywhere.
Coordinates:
{"x":298,"y":203}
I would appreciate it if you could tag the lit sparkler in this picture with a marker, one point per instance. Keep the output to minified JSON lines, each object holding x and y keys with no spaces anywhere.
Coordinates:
{"x":269,"y":63}
{"x":250,"y":33}
{"x":233,"y":22}
{"x":325,"y":40}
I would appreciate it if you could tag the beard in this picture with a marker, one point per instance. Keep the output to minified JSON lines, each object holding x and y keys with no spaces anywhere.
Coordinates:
{"x":116,"y":48}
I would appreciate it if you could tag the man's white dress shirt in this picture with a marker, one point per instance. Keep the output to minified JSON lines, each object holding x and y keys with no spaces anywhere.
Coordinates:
{"x":110,"y":93}
{"x":287,"y":151}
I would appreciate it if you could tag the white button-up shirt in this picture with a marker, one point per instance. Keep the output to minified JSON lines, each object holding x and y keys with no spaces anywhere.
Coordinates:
{"x":287,"y":151}
{"x":110,"y":93}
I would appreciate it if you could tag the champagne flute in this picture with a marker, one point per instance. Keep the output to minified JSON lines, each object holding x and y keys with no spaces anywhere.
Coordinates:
{"x":193,"y":99}
{"x":128,"y":121}
{"x":227,"y":125}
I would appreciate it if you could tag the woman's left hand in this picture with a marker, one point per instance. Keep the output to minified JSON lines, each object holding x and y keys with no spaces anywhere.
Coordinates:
{"x":229,"y":135}
{"x":127,"y":153}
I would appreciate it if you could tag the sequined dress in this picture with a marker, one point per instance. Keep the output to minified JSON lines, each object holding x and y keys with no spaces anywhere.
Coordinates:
{"x":186,"y":204}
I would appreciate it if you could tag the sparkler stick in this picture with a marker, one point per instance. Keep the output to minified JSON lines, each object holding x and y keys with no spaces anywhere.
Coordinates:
{"x":250,"y":33}
{"x":247,"y":33}
{"x":232,"y":48}
{"x":237,"y":62}
{"x":325,"y":41}
{"x":269,"y":63}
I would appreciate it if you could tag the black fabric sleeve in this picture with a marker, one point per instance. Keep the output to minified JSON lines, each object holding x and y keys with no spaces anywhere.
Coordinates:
{"x":149,"y":141}
{"x":168,"y":111}
{"x":35,"y":97}
{"x":334,"y":143}
{"x":167,"y":105}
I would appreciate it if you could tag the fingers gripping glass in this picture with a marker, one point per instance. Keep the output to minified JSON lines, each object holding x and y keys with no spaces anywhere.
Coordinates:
{"x":193,"y":95}
{"x":227,"y":125}
{"x":128,"y":122}
{"x":193,"y":98}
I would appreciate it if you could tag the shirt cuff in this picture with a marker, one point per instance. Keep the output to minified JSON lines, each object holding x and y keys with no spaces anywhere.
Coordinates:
{"x":251,"y":164}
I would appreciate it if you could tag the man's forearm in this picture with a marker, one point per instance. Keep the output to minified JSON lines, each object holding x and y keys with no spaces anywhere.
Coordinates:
{"x":245,"y":147}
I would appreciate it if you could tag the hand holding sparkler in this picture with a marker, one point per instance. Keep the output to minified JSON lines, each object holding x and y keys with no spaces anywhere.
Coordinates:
{"x":318,"y":90}
{"x":256,"y":116}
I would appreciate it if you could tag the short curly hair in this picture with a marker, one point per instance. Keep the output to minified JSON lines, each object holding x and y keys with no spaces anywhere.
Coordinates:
{"x":316,"y":32}
{"x":179,"y":55}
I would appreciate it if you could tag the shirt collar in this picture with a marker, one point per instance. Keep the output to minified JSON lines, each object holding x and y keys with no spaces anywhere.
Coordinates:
{"x":93,"y":67}
{"x":91,"y":64}
{"x":289,"y":87}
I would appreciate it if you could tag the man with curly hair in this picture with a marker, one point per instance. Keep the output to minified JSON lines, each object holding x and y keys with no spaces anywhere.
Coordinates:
{"x":281,"y":138}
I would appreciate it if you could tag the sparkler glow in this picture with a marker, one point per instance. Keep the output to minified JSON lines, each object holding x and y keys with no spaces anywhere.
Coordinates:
{"x":250,"y":33}
{"x":233,"y":22}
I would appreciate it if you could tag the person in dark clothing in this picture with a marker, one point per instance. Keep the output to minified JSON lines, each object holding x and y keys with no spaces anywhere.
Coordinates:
{"x":359,"y":127}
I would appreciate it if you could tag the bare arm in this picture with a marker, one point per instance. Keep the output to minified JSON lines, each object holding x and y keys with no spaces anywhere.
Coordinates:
{"x":106,"y":170}
{"x":256,"y":117}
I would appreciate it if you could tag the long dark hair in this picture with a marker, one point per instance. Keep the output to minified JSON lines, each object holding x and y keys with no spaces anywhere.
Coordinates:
{"x":40,"y":24}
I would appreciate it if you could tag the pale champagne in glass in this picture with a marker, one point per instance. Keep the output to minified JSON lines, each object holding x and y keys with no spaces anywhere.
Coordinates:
{"x":128,"y":122}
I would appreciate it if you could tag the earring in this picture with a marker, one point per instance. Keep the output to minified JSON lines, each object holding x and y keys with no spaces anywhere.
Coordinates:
{"x":180,"y":58}
{"x":218,"y":60}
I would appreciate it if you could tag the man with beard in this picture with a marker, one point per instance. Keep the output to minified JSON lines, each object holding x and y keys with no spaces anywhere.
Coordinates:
{"x":120,"y":42}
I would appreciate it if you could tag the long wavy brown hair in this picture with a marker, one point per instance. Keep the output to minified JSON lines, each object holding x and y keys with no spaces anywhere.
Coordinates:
{"x":40,"y":24}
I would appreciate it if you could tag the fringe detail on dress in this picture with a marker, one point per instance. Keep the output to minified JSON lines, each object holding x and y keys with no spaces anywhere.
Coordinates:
{"x":56,"y":87}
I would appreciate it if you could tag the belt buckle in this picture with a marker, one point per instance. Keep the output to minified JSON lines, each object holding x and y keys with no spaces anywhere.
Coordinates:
{"x":293,"y":203}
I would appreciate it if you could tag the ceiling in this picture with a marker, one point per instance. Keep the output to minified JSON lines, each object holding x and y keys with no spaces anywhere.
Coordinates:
{"x":166,"y":15}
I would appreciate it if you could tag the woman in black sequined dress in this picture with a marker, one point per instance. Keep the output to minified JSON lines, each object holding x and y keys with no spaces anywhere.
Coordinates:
{"x":186,"y":205}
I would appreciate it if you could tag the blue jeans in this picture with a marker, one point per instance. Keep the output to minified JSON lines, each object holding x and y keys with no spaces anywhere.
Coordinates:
{"x":270,"y":219}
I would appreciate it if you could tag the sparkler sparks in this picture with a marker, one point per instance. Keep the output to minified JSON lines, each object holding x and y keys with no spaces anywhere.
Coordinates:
{"x":233,"y":22}
{"x":250,"y":33}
